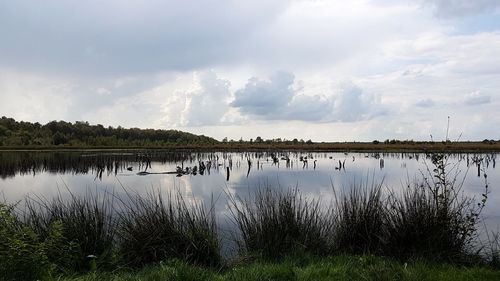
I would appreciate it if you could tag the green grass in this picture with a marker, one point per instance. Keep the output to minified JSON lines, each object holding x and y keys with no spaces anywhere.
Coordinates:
{"x":334,"y":268}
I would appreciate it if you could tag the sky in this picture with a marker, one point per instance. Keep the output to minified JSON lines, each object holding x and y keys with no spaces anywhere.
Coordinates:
{"x":326,"y":70}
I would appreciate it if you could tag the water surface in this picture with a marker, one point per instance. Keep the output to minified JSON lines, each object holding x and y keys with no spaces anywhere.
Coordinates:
{"x":315,"y":174}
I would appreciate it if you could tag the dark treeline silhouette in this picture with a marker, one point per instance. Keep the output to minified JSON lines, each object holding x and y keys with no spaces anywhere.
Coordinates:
{"x":81,"y":134}
{"x":60,"y":134}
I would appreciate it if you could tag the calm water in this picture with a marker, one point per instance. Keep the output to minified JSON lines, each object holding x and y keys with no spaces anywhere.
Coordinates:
{"x":49,"y":173}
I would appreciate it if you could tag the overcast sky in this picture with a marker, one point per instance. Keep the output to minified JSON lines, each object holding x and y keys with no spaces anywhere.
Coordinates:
{"x":326,"y":70}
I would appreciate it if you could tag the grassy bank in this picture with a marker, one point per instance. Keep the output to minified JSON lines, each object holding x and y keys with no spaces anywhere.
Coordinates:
{"x":335,"y":268}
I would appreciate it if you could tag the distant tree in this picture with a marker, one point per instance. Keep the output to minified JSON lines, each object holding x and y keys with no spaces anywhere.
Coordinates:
{"x":3,"y":131}
{"x":83,"y":134}
{"x":258,"y":139}
{"x":59,"y":138}
{"x":224,"y":140}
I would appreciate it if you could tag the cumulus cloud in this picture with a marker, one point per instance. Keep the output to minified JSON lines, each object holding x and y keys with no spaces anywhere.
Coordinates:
{"x":353,"y":104}
{"x":204,"y":103}
{"x":278,"y":99}
{"x":190,"y":100}
{"x":308,"y":108}
{"x":425,"y":103}
{"x":458,"y":8}
{"x":476,"y":98}
{"x":265,"y":98}
{"x":207,"y":104}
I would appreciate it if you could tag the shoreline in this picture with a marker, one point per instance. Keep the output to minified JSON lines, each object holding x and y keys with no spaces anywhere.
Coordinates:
{"x":412,"y":147}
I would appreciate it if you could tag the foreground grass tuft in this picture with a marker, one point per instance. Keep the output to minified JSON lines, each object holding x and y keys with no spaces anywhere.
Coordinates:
{"x":153,"y":229}
{"x":278,"y":223}
{"x":75,"y":229}
{"x":360,"y":216}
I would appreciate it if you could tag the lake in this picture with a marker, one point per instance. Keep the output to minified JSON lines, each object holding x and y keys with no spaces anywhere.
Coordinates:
{"x":47,"y":174}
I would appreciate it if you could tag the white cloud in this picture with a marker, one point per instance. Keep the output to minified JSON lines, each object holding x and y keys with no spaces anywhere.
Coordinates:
{"x":280,"y":98}
{"x":207,"y":104}
{"x":476,"y":98}
{"x":458,"y":8}
{"x":34,"y":98}
{"x":265,"y":98}
{"x":425,"y":103}
{"x":354,"y":104}
{"x":190,"y":100}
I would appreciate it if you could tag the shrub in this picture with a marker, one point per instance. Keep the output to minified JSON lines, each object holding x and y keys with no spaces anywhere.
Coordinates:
{"x":22,"y":253}
{"x":433,"y":219}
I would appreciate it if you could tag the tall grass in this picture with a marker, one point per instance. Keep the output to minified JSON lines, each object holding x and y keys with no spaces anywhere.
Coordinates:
{"x":359,"y":217}
{"x":418,"y":226}
{"x":82,"y":228}
{"x":491,"y":248}
{"x":431,"y":219}
{"x":278,"y":223}
{"x":153,"y":229}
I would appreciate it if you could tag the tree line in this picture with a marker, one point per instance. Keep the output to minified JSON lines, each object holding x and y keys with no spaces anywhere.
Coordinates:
{"x":81,"y":134}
